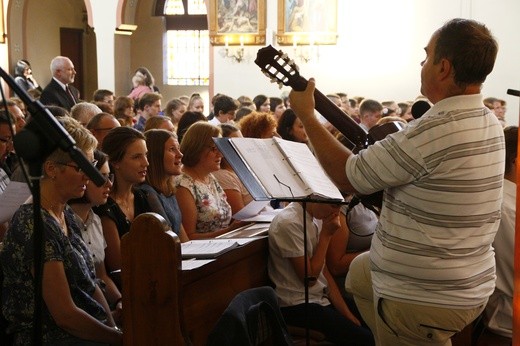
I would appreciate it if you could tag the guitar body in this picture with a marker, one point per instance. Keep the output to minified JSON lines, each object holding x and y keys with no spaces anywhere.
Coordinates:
{"x":277,"y":66}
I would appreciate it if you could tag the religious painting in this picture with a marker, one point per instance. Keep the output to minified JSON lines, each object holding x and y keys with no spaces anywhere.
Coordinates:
{"x":307,"y":22}
{"x":234,"y":22}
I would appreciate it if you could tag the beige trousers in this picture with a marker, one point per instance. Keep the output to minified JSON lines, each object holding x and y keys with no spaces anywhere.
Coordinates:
{"x":397,"y":323}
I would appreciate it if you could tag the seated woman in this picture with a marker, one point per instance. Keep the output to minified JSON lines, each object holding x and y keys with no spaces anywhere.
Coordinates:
{"x":124,"y":110}
{"x":258,"y":125}
{"x":196,"y":104}
{"x":75,"y":311}
{"x":126,"y":150}
{"x":277,"y":107}
{"x":164,"y":157}
{"x":291,"y":128}
{"x":237,"y":195}
{"x":262,"y":103}
{"x":203,"y":203}
{"x":175,"y":108}
{"x":92,"y":231}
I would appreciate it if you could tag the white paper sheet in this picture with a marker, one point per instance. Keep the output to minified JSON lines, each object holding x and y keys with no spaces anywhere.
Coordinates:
{"x":14,"y":195}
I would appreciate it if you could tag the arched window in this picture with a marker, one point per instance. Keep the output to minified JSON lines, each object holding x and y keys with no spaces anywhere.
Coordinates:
{"x":187,"y":41}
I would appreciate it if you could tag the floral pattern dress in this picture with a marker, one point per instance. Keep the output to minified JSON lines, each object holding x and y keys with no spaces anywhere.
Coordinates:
{"x":213,"y":210}
{"x":16,"y":259}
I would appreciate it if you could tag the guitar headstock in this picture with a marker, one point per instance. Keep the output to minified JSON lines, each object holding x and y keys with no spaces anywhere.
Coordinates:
{"x":279,"y":68}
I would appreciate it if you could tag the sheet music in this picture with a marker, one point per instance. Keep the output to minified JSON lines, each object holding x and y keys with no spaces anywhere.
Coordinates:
{"x":264,"y":217}
{"x":270,"y":166}
{"x":194,"y":263}
{"x":309,"y":169}
{"x":14,"y":195}
{"x":251,"y":210}
{"x":210,"y":248}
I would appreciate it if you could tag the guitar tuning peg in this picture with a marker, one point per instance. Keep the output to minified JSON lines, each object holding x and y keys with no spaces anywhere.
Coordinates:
{"x":267,"y":74}
{"x":280,"y":85}
{"x":274,"y":80}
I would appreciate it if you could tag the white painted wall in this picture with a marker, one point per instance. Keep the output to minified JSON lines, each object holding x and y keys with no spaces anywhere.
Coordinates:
{"x":104,"y":23}
{"x":380,"y":47}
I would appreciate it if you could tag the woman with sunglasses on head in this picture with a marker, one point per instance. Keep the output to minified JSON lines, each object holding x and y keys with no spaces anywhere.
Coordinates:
{"x":75,"y":312}
{"x":92,"y":230}
{"x":203,"y":203}
{"x":126,"y":150}
{"x":164,"y":157}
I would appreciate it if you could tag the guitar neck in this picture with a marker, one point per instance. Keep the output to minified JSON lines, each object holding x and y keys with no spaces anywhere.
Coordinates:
{"x":337,"y":117}
{"x":341,"y":121}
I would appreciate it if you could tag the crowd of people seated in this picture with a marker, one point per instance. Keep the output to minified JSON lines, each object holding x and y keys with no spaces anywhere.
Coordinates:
{"x":165,"y":161}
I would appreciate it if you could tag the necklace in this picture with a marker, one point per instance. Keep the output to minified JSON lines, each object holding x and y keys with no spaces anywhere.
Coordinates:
{"x":125,"y":205}
{"x":58,"y":216}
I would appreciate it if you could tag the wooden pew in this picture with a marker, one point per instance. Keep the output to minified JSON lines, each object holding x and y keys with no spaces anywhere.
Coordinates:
{"x":163,"y":305}
{"x":151,"y":279}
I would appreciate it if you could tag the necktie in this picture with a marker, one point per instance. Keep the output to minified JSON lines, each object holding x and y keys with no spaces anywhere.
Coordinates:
{"x":70,"y":94}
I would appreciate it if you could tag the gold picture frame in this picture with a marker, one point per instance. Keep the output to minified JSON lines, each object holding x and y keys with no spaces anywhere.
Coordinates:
{"x":242,"y":25}
{"x":309,"y":22}
{"x":2,"y":28}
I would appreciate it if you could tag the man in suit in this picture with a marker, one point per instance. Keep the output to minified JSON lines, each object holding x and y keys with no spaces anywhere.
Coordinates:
{"x":60,"y":91}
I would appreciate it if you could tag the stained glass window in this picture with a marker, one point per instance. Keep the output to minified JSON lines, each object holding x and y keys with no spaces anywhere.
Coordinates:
{"x":173,"y":7}
{"x":188,"y":57}
{"x":187,"y":51}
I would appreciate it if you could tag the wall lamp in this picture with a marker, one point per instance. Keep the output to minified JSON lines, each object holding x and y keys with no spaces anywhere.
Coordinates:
{"x":236,"y":54}
{"x":305,"y":53}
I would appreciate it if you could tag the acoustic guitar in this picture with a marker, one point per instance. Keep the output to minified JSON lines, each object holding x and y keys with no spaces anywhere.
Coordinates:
{"x":280,"y":69}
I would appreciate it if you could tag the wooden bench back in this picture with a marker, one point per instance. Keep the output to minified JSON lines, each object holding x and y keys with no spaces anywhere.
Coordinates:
{"x":151,"y":282}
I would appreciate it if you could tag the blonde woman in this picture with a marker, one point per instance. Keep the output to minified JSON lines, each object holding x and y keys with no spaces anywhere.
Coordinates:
{"x":74,"y":310}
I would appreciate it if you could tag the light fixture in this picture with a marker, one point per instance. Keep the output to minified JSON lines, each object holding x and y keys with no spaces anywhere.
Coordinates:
{"x":236,"y":54}
{"x":305,"y":53}
{"x":126,"y":29}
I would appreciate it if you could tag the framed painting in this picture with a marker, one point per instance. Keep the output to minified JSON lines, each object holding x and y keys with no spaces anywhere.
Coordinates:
{"x":234,"y":22}
{"x":307,"y":22}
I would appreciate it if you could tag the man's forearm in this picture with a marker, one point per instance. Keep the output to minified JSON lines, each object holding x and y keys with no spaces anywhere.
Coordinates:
{"x":331,"y":154}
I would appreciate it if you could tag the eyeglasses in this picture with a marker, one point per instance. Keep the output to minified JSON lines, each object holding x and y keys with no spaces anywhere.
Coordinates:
{"x":76,"y":168}
{"x":109,"y":177}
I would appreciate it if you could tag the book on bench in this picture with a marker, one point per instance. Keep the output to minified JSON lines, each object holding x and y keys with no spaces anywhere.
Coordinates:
{"x":274,"y":168}
{"x":210,"y":248}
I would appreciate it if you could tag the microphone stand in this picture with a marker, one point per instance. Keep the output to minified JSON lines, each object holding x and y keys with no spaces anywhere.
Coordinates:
{"x":36,"y":141}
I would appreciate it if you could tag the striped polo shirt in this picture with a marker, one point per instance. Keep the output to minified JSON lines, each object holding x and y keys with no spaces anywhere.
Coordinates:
{"x":442,"y":176}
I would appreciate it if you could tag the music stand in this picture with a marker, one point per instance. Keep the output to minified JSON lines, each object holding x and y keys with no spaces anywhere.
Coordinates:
{"x":258,"y":192}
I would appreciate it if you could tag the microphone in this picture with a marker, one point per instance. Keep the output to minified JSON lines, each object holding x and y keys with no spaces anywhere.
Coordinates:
{"x":420,"y":107}
{"x":513,"y":92}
